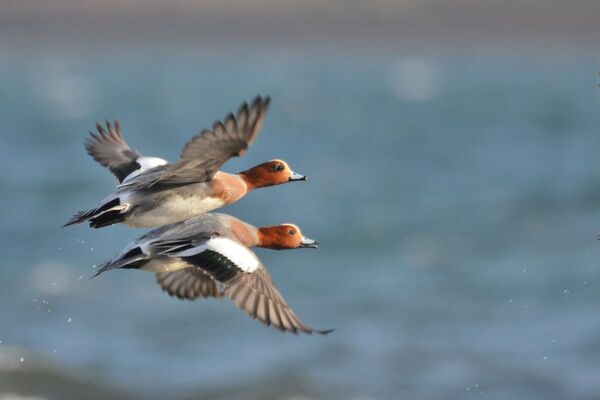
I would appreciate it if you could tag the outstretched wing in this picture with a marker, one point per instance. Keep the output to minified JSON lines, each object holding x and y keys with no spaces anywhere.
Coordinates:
{"x":245,"y":281}
{"x":206,"y":152}
{"x":256,"y":294}
{"x":188,"y":283}
{"x":110,"y":150}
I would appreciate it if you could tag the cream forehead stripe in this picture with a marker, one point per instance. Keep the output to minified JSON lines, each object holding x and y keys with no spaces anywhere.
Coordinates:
{"x":281,"y":161}
{"x":243,"y":258}
{"x":293,"y":226}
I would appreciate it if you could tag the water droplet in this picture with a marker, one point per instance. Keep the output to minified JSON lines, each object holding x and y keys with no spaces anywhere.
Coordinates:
{"x":21,"y":359}
{"x":553,"y":340}
{"x":69,"y":320}
{"x":566,"y":291}
{"x":544,"y":358}
{"x":524,"y":270}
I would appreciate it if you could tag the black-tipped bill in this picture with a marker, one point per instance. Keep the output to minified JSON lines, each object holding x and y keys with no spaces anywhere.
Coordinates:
{"x":309,"y":243}
{"x":297,"y":177}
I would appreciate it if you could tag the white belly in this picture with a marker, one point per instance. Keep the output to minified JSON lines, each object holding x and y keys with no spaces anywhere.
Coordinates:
{"x":173,"y":209}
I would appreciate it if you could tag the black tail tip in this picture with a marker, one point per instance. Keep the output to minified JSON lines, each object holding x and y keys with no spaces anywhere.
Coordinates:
{"x":76,"y":219}
{"x":100,"y":269}
{"x":95,"y":274}
{"x":324,"y":331}
{"x":69,"y":223}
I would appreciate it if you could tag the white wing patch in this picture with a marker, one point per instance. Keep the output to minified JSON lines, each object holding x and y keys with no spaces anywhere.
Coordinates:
{"x":146,"y":163}
{"x":237,"y":253}
{"x":150,"y":162}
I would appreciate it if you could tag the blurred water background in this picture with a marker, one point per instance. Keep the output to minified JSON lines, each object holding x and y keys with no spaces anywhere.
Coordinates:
{"x":455,"y":193}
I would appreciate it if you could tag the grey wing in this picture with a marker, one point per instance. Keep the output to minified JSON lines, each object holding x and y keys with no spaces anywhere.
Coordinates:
{"x":110,"y":150}
{"x":189,"y":283}
{"x":254,"y":291}
{"x":144,"y":180}
{"x":170,"y":239}
{"x":206,"y":152}
{"x":256,"y":294}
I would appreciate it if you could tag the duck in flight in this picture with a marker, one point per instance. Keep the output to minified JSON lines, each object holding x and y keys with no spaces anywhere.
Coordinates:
{"x":209,"y":256}
{"x":153,"y":192}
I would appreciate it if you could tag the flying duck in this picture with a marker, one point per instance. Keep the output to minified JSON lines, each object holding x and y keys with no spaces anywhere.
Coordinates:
{"x":209,"y":256}
{"x":153,"y":192}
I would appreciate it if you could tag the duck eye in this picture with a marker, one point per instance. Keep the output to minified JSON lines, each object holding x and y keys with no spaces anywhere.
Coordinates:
{"x":279,"y":167}
{"x":292,"y":232}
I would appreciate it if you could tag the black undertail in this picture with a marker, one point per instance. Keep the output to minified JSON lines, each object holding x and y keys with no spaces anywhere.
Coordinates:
{"x":96,"y":214}
{"x":133,"y":254}
{"x":107,"y":218}
{"x":133,"y":259}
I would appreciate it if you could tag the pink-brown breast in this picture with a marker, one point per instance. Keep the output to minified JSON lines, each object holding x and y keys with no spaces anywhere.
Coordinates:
{"x":245,"y":233}
{"x":228,"y":187}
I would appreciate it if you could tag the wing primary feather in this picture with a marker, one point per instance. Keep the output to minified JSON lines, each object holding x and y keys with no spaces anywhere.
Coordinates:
{"x":274,"y":315}
{"x":261,"y":310}
{"x":206,"y":152}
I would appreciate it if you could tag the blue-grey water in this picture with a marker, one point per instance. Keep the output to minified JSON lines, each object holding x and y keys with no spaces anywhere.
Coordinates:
{"x":456,"y":200}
